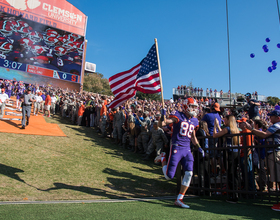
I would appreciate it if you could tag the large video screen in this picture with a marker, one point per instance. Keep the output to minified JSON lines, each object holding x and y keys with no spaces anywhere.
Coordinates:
{"x":35,"y":48}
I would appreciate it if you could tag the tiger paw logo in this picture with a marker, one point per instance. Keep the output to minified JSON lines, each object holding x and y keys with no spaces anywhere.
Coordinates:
{"x":24,"y":4}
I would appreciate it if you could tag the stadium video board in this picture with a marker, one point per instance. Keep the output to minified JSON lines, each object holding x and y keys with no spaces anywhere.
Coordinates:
{"x":41,"y":43}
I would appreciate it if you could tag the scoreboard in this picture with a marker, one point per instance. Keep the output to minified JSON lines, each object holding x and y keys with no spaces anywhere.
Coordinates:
{"x":39,"y":70}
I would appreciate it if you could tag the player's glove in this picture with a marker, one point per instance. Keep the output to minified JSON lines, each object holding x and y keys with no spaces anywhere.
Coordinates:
{"x":200,"y":150}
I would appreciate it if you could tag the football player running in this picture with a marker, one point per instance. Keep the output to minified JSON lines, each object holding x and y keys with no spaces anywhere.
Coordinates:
{"x":184,"y":124}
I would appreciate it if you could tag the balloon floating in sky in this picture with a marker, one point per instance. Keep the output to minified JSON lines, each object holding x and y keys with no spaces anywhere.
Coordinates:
{"x":265,"y":49}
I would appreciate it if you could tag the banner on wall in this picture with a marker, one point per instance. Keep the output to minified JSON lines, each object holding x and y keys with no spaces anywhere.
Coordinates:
{"x":55,"y":13}
{"x":42,"y":37}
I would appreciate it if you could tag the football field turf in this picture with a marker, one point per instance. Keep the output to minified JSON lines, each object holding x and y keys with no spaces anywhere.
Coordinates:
{"x":200,"y":208}
{"x":83,"y":166}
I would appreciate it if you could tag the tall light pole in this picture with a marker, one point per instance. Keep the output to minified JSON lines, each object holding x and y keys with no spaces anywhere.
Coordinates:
{"x":228,"y":53}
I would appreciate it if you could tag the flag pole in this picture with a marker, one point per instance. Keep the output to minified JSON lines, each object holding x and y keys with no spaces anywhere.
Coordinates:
{"x":159,"y":72}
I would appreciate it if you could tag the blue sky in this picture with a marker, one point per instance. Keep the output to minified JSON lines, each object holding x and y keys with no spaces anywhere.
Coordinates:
{"x":192,"y":39}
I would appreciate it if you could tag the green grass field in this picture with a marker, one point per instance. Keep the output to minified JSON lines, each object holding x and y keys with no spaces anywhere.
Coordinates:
{"x":201,"y":208}
{"x":84,"y":166}
{"x":79,"y":166}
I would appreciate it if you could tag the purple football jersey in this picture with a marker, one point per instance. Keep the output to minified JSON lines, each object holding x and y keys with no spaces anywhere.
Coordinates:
{"x":182,"y":130}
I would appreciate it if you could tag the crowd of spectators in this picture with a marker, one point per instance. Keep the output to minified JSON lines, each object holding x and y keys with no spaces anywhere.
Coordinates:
{"x":208,"y":93}
{"x":135,"y":125}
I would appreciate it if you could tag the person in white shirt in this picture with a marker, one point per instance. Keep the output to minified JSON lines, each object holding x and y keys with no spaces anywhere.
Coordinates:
{"x":171,"y":100}
{"x":3,"y":100}
{"x":37,"y":103}
{"x":53,"y":103}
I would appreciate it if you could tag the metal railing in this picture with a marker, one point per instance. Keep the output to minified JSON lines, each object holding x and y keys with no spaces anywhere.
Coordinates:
{"x":183,"y":92}
{"x":230,"y":173}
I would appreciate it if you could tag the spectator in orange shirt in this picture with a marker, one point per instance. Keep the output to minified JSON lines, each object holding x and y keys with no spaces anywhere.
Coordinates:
{"x":246,"y":153}
{"x":103,"y":118}
{"x":48,"y":103}
{"x":81,"y":112}
{"x":104,"y":98}
{"x":206,"y":101}
{"x":111,"y":118}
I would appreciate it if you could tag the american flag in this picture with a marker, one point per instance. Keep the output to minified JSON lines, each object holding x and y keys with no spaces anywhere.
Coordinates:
{"x":143,"y":77}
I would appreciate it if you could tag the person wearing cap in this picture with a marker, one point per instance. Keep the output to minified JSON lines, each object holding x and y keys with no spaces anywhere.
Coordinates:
{"x":246,"y":141}
{"x":42,"y":94}
{"x":97,"y":107}
{"x":144,"y":136}
{"x":73,"y":109}
{"x":64,"y":107}
{"x":92,"y":112}
{"x":27,"y":100}
{"x":253,"y":111}
{"x":261,"y":169}
{"x":118,"y":122}
{"x":159,"y":140}
{"x":53,"y":103}
{"x":103,"y":119}
{"x":19,"y":92}
{"x":37,"y":103}
{"x":272,"y":135}
{"x":3,"y":100}
{"x":9,"y":89}
{"x":129,"y":130}
{"x":210,"y":120}
{"x":80,"y":112}
{"x":88,"y":110}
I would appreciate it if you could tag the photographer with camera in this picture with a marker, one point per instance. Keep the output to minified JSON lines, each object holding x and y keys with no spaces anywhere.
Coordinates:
{"x":253,"y":110}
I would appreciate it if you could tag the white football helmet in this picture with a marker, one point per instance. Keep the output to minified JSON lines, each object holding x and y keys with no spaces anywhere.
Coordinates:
{"x":190,"y":106}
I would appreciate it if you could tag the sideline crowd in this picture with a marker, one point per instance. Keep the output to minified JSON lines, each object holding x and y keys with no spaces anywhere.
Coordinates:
{"x":135,"y":125}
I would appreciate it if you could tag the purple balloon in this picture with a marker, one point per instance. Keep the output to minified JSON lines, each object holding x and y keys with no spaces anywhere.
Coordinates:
{"x":252,"y":55}
{"x":278,"y":45}
{"x":273,"y":67}
{"x":264,"y":47}
{"x":274,"y":63}
{"x":267,"y":40}
{"x":269,"y":69}
{"x":265,"y":50}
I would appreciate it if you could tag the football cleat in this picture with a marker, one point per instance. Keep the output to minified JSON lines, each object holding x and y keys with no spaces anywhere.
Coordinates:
{"x":179,"y":202}
{"x":163,"y":157}
{"x":276,"y":207}
{"x":157,"y":159}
